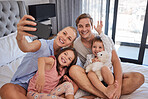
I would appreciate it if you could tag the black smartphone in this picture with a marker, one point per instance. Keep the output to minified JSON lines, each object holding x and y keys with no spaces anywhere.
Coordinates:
{"x":43,"y":31}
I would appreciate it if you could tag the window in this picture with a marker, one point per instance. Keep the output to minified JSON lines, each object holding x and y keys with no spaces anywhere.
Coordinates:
{"x":123,"y":20}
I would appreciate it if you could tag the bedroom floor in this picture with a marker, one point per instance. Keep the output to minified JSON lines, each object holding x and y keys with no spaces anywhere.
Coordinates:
{"x":132,"y":53}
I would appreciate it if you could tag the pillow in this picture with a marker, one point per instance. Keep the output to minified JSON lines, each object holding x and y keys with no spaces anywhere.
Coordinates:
{"x":9,"y":49}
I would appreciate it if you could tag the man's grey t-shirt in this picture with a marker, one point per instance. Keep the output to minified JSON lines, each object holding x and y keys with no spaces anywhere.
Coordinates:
{"x":83,"y":51}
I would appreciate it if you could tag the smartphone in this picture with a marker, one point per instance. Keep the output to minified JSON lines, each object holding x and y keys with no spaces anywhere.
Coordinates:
{"x":42,"y":32}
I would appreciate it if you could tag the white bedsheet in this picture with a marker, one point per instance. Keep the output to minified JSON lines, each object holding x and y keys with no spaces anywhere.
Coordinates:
{"x":140,"y":93}
{"x":6,"y":73}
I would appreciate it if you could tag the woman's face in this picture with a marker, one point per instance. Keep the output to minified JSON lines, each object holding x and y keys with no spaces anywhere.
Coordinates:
{"x":65,"y":37}
{"x":97,"y":47}
{"x":84,"y":27}
{"x":66,"y":58}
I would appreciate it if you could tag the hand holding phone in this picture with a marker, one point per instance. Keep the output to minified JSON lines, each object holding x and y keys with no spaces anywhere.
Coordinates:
{"x":43,"y":31}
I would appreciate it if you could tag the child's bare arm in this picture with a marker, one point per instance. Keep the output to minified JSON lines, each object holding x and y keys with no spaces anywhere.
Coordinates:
{"x":44,"y":63}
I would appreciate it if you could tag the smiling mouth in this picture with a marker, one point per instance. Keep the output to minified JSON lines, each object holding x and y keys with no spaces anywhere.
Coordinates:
{"x":96,"y":53}
{"x":61,"y":40}
{"x":84,"y":32}
{"x":63,"y":59}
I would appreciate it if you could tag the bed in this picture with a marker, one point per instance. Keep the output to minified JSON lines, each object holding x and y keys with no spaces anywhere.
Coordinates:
{"x":11,"y":56}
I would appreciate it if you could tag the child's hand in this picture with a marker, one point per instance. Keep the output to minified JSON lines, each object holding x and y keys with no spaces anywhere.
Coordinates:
{"x":40,"y":83}
{"x":95,"y":60}
{"x":66,"y":78}
{"x":99,"y":27}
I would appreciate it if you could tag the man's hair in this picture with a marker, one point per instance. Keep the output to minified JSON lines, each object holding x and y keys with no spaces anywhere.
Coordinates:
{"x":82,"y":16}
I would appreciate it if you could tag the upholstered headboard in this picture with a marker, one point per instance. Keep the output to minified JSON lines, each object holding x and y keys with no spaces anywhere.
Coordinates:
{"x":10,"y":14}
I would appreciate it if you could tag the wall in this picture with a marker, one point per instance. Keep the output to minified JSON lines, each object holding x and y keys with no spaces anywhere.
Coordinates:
{"x":32,"y":2}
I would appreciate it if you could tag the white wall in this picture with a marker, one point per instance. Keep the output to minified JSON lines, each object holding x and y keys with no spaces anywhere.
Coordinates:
{"x":30,"y":2}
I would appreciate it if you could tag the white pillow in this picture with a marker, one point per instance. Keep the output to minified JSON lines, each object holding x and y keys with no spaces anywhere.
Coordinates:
{"x":9,"y":49}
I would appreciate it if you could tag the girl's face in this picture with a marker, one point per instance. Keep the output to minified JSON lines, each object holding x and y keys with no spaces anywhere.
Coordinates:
{"x":85,"y":28}
{"x":65,"y":37}
{"x":97,"y":47}
{"x":66,"y":58}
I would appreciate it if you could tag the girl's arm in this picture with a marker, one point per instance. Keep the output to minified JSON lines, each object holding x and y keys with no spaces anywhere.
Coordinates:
{"x":44,"y":63}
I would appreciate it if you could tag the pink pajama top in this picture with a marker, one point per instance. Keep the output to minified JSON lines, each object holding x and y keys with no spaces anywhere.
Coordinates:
{"x":51,"y":79}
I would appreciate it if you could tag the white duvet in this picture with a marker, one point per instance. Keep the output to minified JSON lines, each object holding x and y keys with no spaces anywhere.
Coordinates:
{"x":140,"y":93}
{"x":11,"y":57}
{"x":7,"y":71}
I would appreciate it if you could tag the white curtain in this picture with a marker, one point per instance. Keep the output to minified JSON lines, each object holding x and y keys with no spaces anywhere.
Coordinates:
{"x":67,"y":12}
{"x":95,"y":8}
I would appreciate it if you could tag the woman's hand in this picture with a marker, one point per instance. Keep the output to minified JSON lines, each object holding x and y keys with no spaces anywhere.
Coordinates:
{"x":99,"y":27}
{"x":21,"y":28}
{"x":39,"y":85}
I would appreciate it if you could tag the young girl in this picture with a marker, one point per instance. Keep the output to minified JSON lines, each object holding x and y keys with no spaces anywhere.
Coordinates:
{"x":45,"y":83}
{"x":106,"y":71}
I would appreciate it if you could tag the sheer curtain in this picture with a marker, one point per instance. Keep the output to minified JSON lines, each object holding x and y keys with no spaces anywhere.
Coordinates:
{"x":67,"y":12}
{"x":96,"y":8}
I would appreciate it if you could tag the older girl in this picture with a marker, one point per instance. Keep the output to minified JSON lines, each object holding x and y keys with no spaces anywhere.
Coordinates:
{"x":44,"y":83}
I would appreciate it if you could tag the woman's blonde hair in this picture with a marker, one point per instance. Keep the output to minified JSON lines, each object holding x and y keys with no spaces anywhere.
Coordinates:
{"x":73,"y":30}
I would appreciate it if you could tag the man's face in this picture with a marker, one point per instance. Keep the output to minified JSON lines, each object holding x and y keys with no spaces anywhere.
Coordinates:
{"x":65,"y":37}
{"x":84,"y":27}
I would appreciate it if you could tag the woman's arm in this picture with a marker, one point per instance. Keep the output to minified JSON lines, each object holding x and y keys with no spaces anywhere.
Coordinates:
{"x":23,"y":44}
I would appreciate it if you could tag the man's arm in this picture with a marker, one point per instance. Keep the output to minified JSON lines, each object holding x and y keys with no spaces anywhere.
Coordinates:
{"x":117,"y":72}
{"x":23,"y":44}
